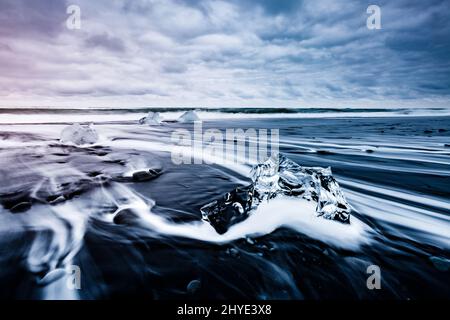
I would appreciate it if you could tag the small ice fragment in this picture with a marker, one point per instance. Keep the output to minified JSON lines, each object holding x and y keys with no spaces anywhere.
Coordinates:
{"x":79,"y":135}
{"x":153,"y":118}
{"x":188,"y":117}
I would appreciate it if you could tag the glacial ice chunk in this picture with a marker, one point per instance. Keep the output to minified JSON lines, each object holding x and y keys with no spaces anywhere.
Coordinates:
{"x":232,"y":208}
{"x":188,"y":117}
{"x":282,"y":176}
{"x":79,"y":134}
{"x":153,"y":118}
{"x":279,"y":177}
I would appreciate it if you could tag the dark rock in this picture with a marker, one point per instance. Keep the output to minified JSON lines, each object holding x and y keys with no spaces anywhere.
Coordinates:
{"x":146,"y":175}
{"x":56,"y":199}
{"x":324,"y":152}
{"x":21,"y":207}
{"x":93,"y":173}
{"x":193,"y":286}
{"x":125,"y":217}
{"x":440,"y":263}
{"x":11,"y":200}
{"x":234,"y":207}
{"x":233,"y":252}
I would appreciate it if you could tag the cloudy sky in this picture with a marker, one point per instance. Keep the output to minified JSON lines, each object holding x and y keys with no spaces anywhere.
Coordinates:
{"x":225,"y":53}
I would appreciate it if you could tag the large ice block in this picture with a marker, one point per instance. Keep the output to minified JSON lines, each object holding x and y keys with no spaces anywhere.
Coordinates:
{"x":282,"y":176}
{"x":279,"y":177}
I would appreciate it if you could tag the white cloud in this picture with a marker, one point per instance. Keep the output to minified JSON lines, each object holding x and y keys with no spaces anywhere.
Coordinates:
{"x":176,"y":52}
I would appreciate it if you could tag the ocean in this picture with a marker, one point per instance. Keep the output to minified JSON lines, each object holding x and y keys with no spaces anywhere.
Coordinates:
{"x":78,"y":208}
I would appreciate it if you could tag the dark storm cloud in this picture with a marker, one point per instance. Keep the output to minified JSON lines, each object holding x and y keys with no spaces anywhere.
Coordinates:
{"x":239,"y":51}
{"x":27,"y":18}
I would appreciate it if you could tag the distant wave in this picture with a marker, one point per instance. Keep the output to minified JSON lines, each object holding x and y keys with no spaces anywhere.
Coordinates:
{"x":43,"y":115}
{"x":252,"y":110}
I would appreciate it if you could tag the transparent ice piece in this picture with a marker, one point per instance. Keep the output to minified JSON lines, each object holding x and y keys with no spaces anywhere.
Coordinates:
{"x":79,"y":134}
{"x":188,"y":117}
{"x":279,"y":177}
{"x":153,"y":118}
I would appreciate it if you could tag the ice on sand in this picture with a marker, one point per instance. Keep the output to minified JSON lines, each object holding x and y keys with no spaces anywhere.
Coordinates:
{"x":282,"y":176}
{"x":153,"y":118}
{"x":79,"y":134}
{"x":279,"y":177}
{"x":188,"y":117}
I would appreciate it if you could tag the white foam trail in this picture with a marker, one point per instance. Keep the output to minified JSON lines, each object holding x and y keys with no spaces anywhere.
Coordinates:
{"x":59,"y":232}
{"x":59,"y":290}
{"x":186,"y":151}
{"x":433,"y":227}
{"x":295,"y":214}
{"x":65,"y":228}
{"x":5,"y":144}
{"x":434,"y":202}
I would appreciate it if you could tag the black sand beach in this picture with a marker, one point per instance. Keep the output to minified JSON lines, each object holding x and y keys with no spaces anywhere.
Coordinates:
{"x":65,"y":205}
